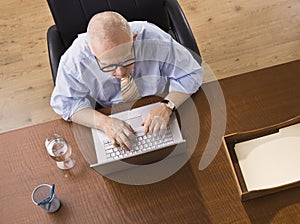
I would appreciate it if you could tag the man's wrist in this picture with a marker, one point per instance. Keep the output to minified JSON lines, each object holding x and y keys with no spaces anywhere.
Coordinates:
{"x":101,"y":121}
{"x":169,"y":104}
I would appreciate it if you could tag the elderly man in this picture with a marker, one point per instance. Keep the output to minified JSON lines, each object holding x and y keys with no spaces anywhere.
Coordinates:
{"x":118,"y":61}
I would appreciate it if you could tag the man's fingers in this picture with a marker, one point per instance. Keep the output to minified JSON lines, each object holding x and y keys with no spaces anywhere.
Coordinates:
{"x":156,"y":127}
{"x":146,"y":125}
{"x":131,"y":129}
{"x":157,"y":124}
{"x":114,"y":142}
{"x":124,"y":141}
{"x":129,"y":137}
{"x":129,"y":132}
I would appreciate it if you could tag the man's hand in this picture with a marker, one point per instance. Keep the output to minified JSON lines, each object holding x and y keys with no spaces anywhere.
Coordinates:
{"x":157,"y":119}
{"x":120,"y":132}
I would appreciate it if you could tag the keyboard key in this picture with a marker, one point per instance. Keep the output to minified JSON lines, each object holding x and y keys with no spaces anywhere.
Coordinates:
{"x":143,"y":143}
{"x":108,"y":151}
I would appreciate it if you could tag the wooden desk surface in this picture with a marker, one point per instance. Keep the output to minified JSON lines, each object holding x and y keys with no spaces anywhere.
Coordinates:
{"x":253,"y":100}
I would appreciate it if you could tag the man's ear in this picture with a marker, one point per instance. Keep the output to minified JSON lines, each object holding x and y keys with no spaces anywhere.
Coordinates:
{"x":135,"y":36}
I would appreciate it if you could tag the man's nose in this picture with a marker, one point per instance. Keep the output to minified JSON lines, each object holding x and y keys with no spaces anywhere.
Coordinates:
{"x":121,"y":70}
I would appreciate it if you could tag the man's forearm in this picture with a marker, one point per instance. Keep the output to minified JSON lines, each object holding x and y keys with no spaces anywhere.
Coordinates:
{"x":89,"y":118}
{"x":177,"y":98}
{"x":94,"y":119}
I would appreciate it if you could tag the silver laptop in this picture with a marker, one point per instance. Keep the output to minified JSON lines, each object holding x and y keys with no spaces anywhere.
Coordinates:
{"x":146,"y":149}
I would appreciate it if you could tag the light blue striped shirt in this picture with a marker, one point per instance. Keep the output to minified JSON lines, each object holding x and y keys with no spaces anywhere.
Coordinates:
{"x":162,"y":65}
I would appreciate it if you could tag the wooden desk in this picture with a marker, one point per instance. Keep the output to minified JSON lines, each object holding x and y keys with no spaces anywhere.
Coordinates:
{"x":253,"y":100}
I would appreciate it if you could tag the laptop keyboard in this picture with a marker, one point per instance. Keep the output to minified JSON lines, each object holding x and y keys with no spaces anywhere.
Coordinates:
{"x":143,"y":144}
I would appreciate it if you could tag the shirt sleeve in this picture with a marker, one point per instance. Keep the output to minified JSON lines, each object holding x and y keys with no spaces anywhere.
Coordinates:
{"x":183,"y":71}
{"x":69,"y":95}
{"x":163,"y":57}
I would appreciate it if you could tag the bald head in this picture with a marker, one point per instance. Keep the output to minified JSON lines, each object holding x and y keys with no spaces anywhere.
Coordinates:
{"x":106,"y":30}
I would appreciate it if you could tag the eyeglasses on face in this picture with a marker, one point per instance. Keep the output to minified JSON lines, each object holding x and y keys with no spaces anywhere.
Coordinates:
{"x":113,"y":67}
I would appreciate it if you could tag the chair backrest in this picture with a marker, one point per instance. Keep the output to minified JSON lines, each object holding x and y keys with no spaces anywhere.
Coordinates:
{"x":72,"y":16}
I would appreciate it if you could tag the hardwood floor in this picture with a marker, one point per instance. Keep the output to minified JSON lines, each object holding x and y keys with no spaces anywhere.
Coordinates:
{"x":234,"y":37}
{"x":240,"y":36}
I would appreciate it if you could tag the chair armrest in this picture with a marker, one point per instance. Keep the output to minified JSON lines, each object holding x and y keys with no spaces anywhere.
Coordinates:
{"x":56,"y":49}
{"x":182,"y":29}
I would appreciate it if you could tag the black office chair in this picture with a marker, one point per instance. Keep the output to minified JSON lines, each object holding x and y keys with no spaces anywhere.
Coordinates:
{"x":72,"y":16}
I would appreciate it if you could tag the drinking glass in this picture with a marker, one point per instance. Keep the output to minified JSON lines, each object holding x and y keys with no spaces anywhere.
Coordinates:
{"x":59,"y":150}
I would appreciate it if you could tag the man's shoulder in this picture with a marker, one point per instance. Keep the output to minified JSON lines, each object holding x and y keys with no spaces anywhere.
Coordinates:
{"x":77,"y":52}
{"x":146,"y":28}
{"x":144,"y":25}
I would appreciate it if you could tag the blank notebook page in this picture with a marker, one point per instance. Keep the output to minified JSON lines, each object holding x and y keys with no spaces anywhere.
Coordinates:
{"x":272,"y":160}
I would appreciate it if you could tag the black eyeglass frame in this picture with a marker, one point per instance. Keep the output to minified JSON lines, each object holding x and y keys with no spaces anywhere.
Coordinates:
{"x":109,"y":68}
